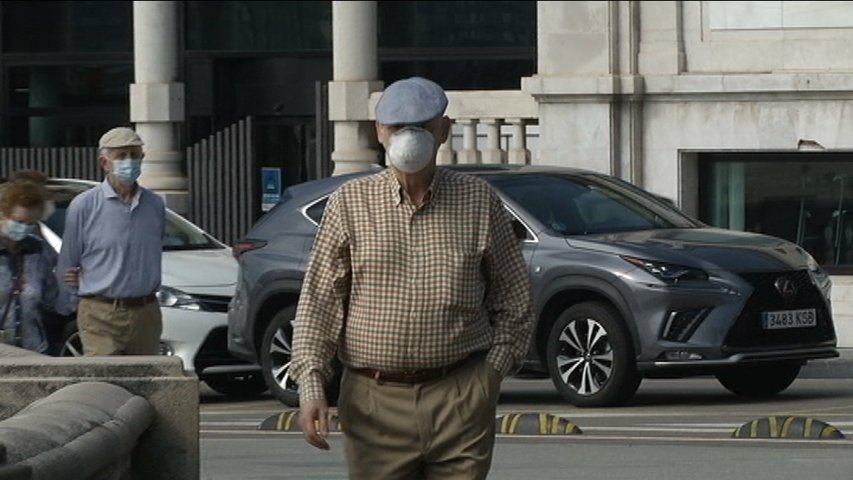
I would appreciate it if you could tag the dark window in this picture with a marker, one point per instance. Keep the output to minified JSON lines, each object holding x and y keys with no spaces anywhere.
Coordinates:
{"x":259,"y":26}
{"x":466,"y":74}
{"x":66,"y":105}
{"x":460,"y":24}
{"x":78,"y":26}
{"x":315,"y":211}
{"x":464,"y":45}
{"x":806,"y":198}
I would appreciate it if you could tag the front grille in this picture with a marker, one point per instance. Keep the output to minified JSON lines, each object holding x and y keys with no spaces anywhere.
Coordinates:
{"x":213,"y":303}
{"x":747,"y":332}
{"x":214,"y":351}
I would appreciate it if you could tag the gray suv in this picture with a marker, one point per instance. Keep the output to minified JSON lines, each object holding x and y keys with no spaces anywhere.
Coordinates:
{"x":625,"y":287}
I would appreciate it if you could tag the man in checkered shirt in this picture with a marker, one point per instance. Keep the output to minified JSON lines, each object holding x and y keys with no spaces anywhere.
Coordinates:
{"x":417,"y":283}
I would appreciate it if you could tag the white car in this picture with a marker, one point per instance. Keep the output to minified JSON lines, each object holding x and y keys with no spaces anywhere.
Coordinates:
{"x":199,"y":276}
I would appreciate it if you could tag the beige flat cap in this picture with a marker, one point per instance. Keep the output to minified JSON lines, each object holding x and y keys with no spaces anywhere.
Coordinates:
{"x":120,"y":137}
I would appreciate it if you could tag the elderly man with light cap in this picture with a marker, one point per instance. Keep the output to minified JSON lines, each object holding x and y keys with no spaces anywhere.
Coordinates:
{"x":417,"y":283}
{"x":112,"y":247}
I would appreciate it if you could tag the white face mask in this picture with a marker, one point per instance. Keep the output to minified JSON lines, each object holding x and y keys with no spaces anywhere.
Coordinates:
{"x":410,"y":149}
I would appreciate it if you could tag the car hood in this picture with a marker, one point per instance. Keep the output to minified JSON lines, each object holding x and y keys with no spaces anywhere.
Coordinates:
{"x":212,"y":272}
{"x":707,"y":248}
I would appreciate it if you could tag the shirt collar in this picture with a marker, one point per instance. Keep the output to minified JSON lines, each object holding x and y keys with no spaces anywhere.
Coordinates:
{"x":109,"y":192}
{"x":395,"y":190}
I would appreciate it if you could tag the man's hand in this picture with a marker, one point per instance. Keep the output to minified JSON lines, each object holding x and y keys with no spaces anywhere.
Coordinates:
{"x":71,"y":277}
{"x":314,"y":420}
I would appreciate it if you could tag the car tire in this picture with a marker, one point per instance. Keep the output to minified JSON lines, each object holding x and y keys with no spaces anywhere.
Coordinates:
{"x":590,"y":356}
{"x":276,"y":354}
{"x":244,"y":385}
{"x":761,"y":380}
{"x":71,"y":345}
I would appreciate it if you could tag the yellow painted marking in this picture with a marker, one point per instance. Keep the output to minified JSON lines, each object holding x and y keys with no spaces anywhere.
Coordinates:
{"x":555,"y":424}
{"x":807,"y":428}
{"x":505,"y":424}
{"x":284,"y":420}
{"x":737,"y":432}
{"x":753,"y":429}
{"x":543,"y":423}
{"x":772,"y":426}
{"x":786,"y":426}
{"x":513,"y":424}
{"x":827,"y":431}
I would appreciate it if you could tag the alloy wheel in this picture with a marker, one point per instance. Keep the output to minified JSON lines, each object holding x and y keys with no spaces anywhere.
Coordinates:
{"x":72,"y":347}
{"x":280,"y":354}
{"x":585,"y":358}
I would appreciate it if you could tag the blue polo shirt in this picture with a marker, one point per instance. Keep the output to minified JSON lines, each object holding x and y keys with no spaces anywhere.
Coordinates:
{"x":118,"y":246}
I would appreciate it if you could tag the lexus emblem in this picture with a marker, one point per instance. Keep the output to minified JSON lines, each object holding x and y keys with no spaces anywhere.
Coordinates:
{"x":786,"y":288}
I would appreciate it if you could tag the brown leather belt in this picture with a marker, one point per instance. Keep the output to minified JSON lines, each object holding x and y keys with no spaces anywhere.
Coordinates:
{"x":413,"y":377}
{"x":123,"y":302}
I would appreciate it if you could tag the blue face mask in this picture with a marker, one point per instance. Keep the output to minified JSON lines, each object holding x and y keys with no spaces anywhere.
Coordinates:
{"x":127,"y":170}
{"x":17,"y":231}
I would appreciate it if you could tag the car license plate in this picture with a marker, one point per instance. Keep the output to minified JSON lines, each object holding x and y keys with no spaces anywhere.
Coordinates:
{"x":789,"y":319}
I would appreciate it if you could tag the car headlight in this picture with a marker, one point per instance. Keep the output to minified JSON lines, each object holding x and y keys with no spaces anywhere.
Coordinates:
{"x":669,"y":273}
{"x":174,"y":298}
{"x":819,"y":275}
{"x":812,"y":264}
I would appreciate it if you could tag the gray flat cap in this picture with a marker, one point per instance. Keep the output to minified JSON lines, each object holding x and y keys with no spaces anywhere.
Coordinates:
{"x":411,"y":101}
{"x":120,"y":137}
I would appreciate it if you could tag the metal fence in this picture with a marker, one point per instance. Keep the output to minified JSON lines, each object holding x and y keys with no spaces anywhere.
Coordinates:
{"x":219,"y":169}
{"x":221,"y":182}
{"x":66,"y":162}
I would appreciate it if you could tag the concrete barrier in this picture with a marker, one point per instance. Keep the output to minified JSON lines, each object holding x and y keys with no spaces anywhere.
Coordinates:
{"x":85,"y":430}
{"x":169,"y":447}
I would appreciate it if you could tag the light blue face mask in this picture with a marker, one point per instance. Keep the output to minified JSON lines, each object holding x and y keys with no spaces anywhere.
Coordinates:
{"x":127,"y":170}
{"x":17,"y":231}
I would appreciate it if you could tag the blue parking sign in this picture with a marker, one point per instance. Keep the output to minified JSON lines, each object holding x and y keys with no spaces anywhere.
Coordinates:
{"x":270,"y":187}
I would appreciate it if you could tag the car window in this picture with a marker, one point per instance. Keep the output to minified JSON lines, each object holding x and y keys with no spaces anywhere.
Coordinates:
{"x":182,"y":235}
{"x":578,"y":205}
{"x":315,"y":210}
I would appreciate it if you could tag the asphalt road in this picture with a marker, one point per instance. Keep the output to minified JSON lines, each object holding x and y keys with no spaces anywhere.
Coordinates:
{"x":679,"y":429}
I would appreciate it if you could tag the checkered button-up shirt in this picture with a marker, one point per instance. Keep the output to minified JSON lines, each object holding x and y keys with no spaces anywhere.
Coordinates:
{"x":395,"y":288}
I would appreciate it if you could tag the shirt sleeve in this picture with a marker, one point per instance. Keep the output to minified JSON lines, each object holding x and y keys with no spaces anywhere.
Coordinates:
{"x":72,"y":242}
{"x":322,"y":304}
{"x":508,"y":296}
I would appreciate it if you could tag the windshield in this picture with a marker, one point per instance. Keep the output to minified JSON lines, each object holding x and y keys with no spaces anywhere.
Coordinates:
{"x":589,"y":204}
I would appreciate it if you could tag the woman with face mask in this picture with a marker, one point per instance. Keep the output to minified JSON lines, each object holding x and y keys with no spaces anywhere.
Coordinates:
{"x":27,"y":284}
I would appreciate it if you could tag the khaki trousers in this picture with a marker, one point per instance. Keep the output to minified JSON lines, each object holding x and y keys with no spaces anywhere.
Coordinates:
{"x":443,"y":429}
{"x":107,"y":329}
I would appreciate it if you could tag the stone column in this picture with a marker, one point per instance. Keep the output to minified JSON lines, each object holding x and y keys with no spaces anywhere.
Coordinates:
{"x":355,"y":65}
{"x":584,"y":84}
{"x":492,"y":153}
{"x":157,"y":99}
{"x":469,"y":153}
{"x":662,"y":42}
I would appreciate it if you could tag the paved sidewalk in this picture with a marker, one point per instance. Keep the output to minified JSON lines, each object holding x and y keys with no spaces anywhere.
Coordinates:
{"x":841,"y":367}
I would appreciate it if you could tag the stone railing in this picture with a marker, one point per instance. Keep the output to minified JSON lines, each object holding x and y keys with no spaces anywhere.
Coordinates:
{"x":89,"y":413}
{"x":490,"y":126}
